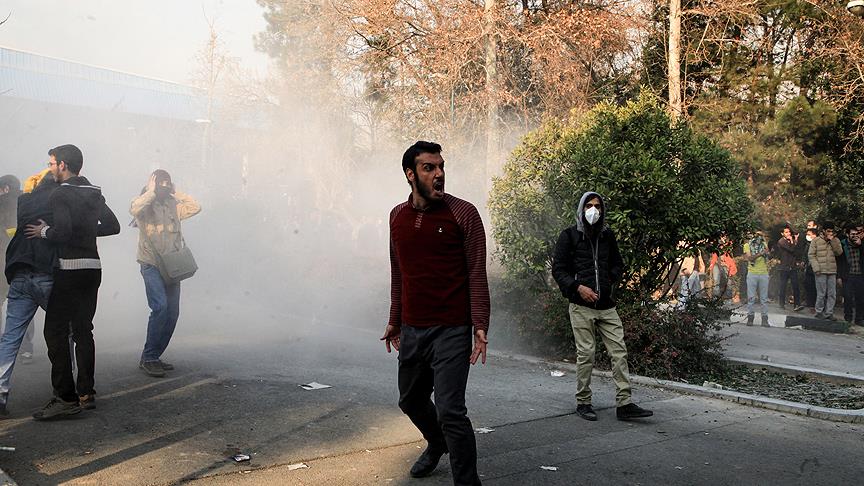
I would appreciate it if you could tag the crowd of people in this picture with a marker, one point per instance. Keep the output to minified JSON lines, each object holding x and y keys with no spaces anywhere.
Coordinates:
{"x":50,"y":232}
{"x":821,"y":267}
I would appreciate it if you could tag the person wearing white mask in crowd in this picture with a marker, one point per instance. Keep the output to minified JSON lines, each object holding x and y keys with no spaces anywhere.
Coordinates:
{"x":587,"y":266}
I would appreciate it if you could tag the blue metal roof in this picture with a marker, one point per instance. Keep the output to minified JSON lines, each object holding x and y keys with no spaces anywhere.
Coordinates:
{"x":39,"y":78}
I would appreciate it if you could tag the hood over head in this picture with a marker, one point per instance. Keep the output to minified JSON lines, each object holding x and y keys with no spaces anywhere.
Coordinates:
{"x":581,"y":222}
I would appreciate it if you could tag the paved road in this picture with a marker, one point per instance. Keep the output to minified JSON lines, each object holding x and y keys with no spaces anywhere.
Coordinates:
{"x":840,"y":353}
{"x":235,"y":390}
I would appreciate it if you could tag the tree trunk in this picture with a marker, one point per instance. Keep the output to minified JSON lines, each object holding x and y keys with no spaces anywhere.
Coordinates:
{"x":493,"y":163}
{"x":674,"y":61}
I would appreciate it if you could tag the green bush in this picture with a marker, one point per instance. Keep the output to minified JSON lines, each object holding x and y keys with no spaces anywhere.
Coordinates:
{"x":669,"y":193}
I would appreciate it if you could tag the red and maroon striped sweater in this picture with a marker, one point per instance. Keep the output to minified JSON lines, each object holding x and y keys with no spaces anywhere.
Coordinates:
{"x":438,"y":265}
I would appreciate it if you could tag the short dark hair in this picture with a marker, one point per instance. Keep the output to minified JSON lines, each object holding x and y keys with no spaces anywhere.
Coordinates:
{"x":70,"y":155}
{"x":409,"y":158}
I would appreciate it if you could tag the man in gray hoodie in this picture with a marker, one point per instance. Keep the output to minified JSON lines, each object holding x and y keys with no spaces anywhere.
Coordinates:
{"x":587,"y":267}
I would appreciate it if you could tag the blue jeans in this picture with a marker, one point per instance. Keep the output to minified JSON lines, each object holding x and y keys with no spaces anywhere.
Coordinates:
{"x":27,"y":292}
{"x":757,"y":285}
{"x":164,"y":302}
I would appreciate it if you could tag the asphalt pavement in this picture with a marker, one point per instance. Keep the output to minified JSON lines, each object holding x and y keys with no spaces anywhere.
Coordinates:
{"x":236,"y":390}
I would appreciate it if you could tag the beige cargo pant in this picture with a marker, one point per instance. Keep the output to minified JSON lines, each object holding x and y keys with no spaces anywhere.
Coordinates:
{"x":584,"y":321}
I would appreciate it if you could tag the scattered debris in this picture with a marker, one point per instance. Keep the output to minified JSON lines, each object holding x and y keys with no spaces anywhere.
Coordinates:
{"x":661,"y":431}
{"x":678,"y":467}
{"x":549,"y":468}
{"x":7,"y":449}
{"x":314,"y":386}
{"x":241,"y":457}
{"x":711,"y":384}
{"x":294,"y":467}
{"x":557,"y":373}
{"x":484,"y":430}
{"x":797,"y":328}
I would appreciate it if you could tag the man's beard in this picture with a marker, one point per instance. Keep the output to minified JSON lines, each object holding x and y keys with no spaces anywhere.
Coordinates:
{"x":426,"y":191}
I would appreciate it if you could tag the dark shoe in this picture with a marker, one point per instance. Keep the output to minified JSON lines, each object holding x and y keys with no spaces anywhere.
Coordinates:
{"x":427,"y":462}
{"x":819,"y":315}
{"x":586,"y":411}
{"x":798,"y":308}
{"x":3,"y":412}
{"x":632,"y":411}
{"x":87,"y":402}
{"x":26,"y":358}
{"x":166,"y":366}
{"x":57,"y":408}
{"x":750,"y":320}
{"x":152,"y":368}
{"x":765,"y":321}
{"x":830,"y":318}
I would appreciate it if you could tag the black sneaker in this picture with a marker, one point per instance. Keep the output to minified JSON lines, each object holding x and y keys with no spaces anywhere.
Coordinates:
{"x":3,"y":412}
{"x":632,"y":411}
{"x":152,"y":368}
{"x":750,"y":320}
{"x":765,"y":321}
{"x":819,"y":315}
{"x":586,"y":411}
{"x":166,"y":366}
{"x":87,"y":402}
{"x":57,"y":408}
{"x":830,"y":318}
{"x":427,"y":462}
{"x":798,"y":308}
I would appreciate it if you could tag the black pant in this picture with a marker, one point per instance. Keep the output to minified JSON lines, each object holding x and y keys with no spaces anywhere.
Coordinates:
{"x":785,"y":276}
{"x":810,"y":288}
{"x":72,"y":306}
{"x":854,"y":289}
{"x":436,"y":359}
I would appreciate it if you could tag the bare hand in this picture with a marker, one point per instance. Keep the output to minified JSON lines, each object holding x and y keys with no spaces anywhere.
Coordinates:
{"x":480,"y":343}
{"x":151,"y":184}
{"x":587,"y":294}
{"x":391,"y":335}
{"x":34,"y":230}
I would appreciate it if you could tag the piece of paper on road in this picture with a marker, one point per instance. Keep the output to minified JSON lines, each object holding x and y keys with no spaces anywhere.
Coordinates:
{"x":549,"y":468}
{"x":314,"y":386}
{"x":557,"y":373}
{"x":484,"y":430}
{"x":294,"y":467}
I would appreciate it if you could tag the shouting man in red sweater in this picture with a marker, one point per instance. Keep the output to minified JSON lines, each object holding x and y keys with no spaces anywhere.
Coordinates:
{"x":439,"y":303}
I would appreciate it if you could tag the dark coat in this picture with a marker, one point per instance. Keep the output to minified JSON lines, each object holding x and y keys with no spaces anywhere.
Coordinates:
{"x":588,"y":255}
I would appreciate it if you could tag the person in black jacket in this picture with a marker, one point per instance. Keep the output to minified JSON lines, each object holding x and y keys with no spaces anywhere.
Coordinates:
{"x":80,"y":215}
{"x":787,"y":249}
{"x":29,"y":268}
{"x":587,"y":266}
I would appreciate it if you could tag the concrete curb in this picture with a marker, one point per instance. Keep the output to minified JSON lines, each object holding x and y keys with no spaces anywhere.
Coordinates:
{"x":824,"y":413}
{"x":829,"y":376}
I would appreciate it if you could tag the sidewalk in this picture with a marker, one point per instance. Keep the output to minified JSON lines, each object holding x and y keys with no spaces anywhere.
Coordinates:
{"x":839,"y":353}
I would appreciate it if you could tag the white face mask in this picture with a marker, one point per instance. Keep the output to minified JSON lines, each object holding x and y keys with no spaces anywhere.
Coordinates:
{"x":592,"y":214}
{"x":809,"y":238}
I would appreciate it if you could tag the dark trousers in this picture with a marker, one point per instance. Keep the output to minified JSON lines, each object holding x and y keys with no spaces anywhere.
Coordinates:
{"x":71,"y":307}
{"x":785,"y":276}
{"x":854,"y":289}
{"x":810,"y":288}
{"x":435,"y":359}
